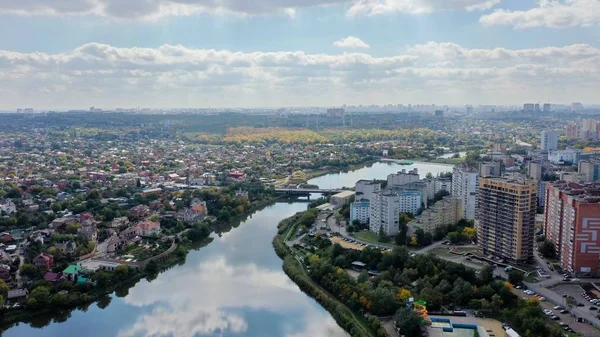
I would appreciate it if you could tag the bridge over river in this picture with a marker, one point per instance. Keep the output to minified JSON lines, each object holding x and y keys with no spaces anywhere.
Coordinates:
{"x":306,"y":191}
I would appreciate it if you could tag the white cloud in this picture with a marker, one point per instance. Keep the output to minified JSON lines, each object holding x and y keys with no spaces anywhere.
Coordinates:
{"x":549,"y":13}
{"x":351,"y":42}
{"x":453,"y":52}
{"x":173,"y":75}
{"x":375,"y":7}
{"x":152,"y":9}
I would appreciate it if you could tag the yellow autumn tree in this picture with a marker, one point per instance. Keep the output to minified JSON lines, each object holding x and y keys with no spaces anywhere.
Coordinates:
{"x":470,"y":232}
{"x":340,"y":271}
{"x":413,"y":241}
{"x":403,"y":294}
{"x":313,"y":259}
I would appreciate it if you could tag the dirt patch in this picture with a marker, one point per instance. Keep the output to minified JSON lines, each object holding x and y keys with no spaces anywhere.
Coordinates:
{"x":346,"y":244}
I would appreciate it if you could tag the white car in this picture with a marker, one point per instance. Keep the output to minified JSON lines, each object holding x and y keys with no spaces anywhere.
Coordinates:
{"x":558,"y":307}
{"x":548,"y":312}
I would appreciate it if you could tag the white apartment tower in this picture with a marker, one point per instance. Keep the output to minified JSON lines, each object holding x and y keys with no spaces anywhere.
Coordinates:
{"x":403,"y":178}
{"x":465,"y":183}
{"x":549,"y":141}
{"x":384,"y":210}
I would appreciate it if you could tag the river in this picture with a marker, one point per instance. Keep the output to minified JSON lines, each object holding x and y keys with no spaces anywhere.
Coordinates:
{"x":235,"y":286}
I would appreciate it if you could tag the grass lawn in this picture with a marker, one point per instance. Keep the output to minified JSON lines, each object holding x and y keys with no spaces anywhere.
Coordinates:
{"x":371,"y":237}
{"x":531,"y":279}
{"x":453,"y":161}
{"x":442,"y":251}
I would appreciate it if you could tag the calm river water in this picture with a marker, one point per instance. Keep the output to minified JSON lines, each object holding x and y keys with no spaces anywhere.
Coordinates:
{"x":233,"y":287}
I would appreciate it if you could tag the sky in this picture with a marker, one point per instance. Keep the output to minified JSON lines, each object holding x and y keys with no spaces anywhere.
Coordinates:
{"x":67,"y":54}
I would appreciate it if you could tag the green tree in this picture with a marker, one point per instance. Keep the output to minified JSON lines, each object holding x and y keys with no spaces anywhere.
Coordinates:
{"x":409,"y":323}
{"x":29,"y":271}
{"x":515,"y":277}
{"x":546,"y":248}
{"x":41,"y":295}
{"x":382,"y":237}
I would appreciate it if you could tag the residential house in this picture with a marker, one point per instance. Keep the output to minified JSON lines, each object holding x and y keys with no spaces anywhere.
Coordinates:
{"x":17,"y":296}
{"x":130,"y":232}
{"x":67,"y":248}
{"x":4,"y":272}
{"x":61,"y":224}
{"x":114,"y":243}
{"x":52,"y":277}
{"x":85,"y":216}
{"x":73,"y":272}
{"x":149,"y":228}
{"x":189,"y":216}
{"x":44,"y":261}
{"x":88,"y":232}
{"x":118,"y":222}
{"x":199,"y":206}
{"x":8,"y":207}
{"x":6,"y":237}
{"x":140,"y":211}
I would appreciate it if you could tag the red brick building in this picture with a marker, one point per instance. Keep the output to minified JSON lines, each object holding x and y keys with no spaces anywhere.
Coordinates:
{"x":44,"y":261}
{"x":572,"y":223}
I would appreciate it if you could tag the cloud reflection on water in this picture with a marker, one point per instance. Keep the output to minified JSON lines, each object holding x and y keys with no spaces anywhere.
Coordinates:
{"x":210,"y":299}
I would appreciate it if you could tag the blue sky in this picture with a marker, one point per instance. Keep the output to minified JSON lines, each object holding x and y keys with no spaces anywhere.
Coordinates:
{"x":63,"y":54}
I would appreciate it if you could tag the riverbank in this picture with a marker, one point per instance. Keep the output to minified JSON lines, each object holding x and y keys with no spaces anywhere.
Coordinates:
{"x":119,"y":282}
{"x":354,"y":324}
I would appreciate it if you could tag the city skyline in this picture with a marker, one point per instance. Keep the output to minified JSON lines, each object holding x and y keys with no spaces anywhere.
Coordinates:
{"x":168,"y":53}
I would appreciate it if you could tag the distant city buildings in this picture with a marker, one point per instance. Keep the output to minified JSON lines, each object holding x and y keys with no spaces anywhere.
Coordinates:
{"x":464,"y":186}
{"x":506,"y":218}
{"x":549,"y":141}
{"x":336,"y":112}
{"x":572,"y":223}
{"x":547,"y":107}
{"x":528,"y":107}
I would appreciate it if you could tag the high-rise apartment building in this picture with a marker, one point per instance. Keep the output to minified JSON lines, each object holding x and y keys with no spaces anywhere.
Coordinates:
{"x":403,"y":177}
{"x":572,"y":223}
{"x":489,"y":169}
{"x":506,"y":221}
{"x":528,"y":107}
{"x":365,"y":188}
{"x":547,"y":107}
{"x":589,"y":170}
{"x":384,"y":210}
{"x":435,"y":185}
{"x":359,"y":210}
{"x":464,"y":187}
{"x":549,"y":141}
{"x":534,"y":170}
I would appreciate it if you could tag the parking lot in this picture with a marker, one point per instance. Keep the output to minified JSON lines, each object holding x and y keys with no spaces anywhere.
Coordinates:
{"x":567,"y":317}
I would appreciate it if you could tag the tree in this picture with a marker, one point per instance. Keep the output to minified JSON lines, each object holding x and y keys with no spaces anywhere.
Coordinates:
{"x":41,"y":295}
{"x":3,"y":288}
{"x":515,"y":277}
{"x":403,"y":294}
{"x":546,"y":248}
{"x":30,"y":271}
{"x":384,"y":301}
{"x":413,"y":241}
{"x":469,"y":233}
{"x":59,"y":300}
{"x":382,"y":237}
{"x":72,"y":228}
{"x":408,"y":322}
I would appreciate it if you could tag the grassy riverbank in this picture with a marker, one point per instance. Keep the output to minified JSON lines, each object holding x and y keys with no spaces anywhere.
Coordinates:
{"x":353,"y":323}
